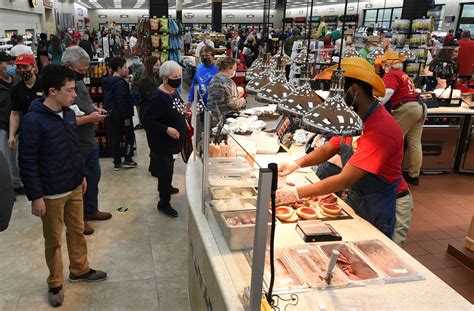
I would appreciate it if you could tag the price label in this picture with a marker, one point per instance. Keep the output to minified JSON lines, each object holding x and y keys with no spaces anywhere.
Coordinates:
{"x":87,"y":80}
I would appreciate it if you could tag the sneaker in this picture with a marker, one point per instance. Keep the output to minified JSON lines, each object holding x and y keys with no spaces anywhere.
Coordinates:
{"x":88,"y":230}
{"x":168,"y":211}
{"x":56,"y":296}
{"x":91,"y":276}
{"x":174,"y":190}
{"x":117,"y":166}
{"x":99,"y":216}
{"x":129,"y":164}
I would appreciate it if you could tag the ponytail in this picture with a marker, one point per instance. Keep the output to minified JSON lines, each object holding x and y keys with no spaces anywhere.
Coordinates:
{"x":225,"y":63}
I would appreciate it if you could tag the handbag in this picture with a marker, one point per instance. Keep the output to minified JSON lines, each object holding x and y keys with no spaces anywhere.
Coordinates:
{"x":187,"y":147}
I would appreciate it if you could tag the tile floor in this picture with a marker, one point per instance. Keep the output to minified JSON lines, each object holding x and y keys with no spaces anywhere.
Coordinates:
{"x":444,"y":205}
{"x":143,"y":251}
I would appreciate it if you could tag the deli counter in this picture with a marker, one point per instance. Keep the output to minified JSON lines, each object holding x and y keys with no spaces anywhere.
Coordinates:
{"x":227,"y":191}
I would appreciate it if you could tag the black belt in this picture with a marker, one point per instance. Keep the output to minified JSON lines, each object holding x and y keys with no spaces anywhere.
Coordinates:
{"x":402,"y":194}
{"x":402,"y":103}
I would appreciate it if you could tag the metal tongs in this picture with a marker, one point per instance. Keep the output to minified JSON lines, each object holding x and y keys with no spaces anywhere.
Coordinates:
{"x":332,"y":263}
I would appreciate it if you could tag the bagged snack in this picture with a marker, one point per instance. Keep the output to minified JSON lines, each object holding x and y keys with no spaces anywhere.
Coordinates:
{"x":165,"y":41}
{"x":164,"y":25}
{"x":155,"y":41}
{"x":154,"y":24}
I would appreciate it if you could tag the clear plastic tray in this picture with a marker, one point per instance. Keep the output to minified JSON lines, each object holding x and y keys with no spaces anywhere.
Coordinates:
{"x":232,"y":180}
{"x":386,"y":261}
{"x":358,"y":271}
{"x":225,"y":193}
{"x":313,"y":267}
{"x":234,"y":205}
{"x":222,"y":163}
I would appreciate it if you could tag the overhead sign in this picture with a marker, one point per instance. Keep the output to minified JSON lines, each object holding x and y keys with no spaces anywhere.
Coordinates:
{"x":102,"y":16}
{"x":230,"y":16}
{"x":188,"y":15}
{"x":250,"y":16}
{"x":208,"y":15}
{"x":124,"y":16}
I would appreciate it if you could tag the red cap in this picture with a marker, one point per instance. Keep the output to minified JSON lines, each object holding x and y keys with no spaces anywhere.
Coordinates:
{"x":25,"y":59}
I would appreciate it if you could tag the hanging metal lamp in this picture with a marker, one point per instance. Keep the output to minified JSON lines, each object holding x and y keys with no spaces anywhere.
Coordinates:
{"x":350,"y":52}
{"x":303,"y":57}
{"x":334,"y":116}
{"x":263,"y":78}
{"x":302,"y":100}
{"x":377,"y":53}
{"x":278,"y":88}
{"x":255,"y":71}
{"x":408,"y":53}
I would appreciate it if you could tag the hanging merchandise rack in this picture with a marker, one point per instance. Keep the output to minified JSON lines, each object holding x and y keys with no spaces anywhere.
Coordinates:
{"x":334,"y":116}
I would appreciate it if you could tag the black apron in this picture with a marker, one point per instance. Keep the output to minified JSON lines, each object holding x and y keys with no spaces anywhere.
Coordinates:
{"x":372,"y":197}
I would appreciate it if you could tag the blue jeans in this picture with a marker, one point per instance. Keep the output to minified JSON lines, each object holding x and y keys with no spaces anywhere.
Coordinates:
{"x":92,"y":164}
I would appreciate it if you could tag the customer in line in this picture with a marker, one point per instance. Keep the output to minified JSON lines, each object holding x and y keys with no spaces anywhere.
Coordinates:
{"x":42,"y":51}
{"x":165,"y":126}
{"x":55,"y":50}
{"x":136,"y":71}
{"x":22,"y":95}
{"x":223,"y":96}
{"x":7,"y":81}
{"x":149,"y":81}
{"x":371,"y":168}
{"x":402,"y":98}
{"x":250,"y":50}
{"x":77,"y":59}
{"x":205,"y":41}
{"x":53,"y":173}
{"x":204,"y":74}
{"x":20,"y":47}
{"x":86,"y":44}
{"x":466,"y":55}
{"x":118,"y":102}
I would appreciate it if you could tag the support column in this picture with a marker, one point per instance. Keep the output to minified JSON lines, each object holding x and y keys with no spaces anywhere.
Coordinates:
{"x":217,"y":15}
{"x":413,"y":9}
{"x":179,"y":11}
{"x":159,"y":8}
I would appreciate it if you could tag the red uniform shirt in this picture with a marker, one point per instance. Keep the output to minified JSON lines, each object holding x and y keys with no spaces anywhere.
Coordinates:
{"x":465,"y":57}
{"x":402,"y":85}
{"x":380,"y":148}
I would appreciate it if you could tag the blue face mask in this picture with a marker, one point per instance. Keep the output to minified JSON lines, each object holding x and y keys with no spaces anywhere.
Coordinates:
{"x":11,"y":70}
{"x":136,"y":61}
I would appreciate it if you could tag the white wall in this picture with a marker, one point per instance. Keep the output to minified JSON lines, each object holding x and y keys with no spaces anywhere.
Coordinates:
{"x":20,"y":16}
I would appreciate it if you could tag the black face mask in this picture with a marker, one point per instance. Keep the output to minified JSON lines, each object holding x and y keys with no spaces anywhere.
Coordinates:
{"x":206,"y":61}
{"x":174,"y":83}
{"x":350,"y":101}
{"x":79,"y":76}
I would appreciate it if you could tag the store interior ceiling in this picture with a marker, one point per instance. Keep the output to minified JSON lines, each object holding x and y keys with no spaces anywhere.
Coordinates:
{"x":197,"y":4}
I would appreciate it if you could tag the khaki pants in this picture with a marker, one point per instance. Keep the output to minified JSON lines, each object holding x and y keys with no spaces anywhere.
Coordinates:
{"x":411,"y":117}
{"x":404,"y":214}
{"x":67,"y":210}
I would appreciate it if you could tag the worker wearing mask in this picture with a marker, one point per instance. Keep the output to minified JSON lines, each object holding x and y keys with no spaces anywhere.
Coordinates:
{"x":371,"y":166}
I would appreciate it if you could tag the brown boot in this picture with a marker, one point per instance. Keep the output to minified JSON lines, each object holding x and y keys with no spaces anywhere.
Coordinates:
{"x":88,"y":230}
{"x":99,"y":216}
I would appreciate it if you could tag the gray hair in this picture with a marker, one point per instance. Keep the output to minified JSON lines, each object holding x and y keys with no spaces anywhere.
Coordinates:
{"x":168,"y":67}
{"x":397,"y":66}
{"x":75,"y":56}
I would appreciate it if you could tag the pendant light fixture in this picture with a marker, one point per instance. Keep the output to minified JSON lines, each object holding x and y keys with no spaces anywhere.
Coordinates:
{"x":408,"y":53}
{"x":350,"y":52}
{"x":278,"y":88}
{"x":376,"y":54}
{"x":302,"y":100}
{"x":334,"y":116}
{"x":263,"y":78}
{"x":260,"y":64}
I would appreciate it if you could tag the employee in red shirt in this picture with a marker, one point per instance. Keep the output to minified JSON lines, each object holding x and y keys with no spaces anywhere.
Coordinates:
{"x":449,"y":37}
{"x":371,"y":166}
{"x":410,"y":114}
{"x":466,"y":54}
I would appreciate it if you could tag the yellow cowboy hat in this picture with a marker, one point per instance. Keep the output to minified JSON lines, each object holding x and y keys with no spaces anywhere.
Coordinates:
{"x":393,"y":57}
{"x":360,"y":69}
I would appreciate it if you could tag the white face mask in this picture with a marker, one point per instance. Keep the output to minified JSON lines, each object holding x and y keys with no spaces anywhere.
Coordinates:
{"x":207,"y":41}
{"x":233,"y":74}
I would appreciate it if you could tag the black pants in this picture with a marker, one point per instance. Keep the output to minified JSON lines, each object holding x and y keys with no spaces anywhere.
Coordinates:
{"x":117,"y":131}
{"x":163,"y":166}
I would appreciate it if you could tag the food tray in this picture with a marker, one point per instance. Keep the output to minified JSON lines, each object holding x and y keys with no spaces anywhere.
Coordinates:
{"x":313,"y":267}
{"x":232,"y":181}
{"x":239,"y":237}
{"x":359,"y":271}
{"x":234,"y":205}
{"x":287,"y":278}
{"x":224,"y":163}
{"x":386,"y":261}
{"x":223,"y":193}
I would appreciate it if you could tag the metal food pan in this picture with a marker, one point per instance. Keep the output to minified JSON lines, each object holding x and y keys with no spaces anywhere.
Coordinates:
{"x":235,"y":204}
{"x":239,"y":237}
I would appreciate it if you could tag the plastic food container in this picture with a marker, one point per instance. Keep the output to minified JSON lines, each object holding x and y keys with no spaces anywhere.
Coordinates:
{"x":234,"y":205}
{"x":232,"y":179}
{"x":222,"y":163}
{"x":222,"y":193}
{"x":240,"y":236}
{"x":386,"y":261}
{"x":313,"y":267}
{"x":357,"y":270}
{"x":287,"y":278}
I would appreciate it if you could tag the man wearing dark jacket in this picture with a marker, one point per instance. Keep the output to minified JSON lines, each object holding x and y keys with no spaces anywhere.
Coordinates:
{"x":118,"y":102}
{"x":53,"y":174}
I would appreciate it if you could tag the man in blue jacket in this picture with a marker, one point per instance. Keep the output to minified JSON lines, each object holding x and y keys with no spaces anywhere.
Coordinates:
{"x":204,"y":74}
{"x":52,"y":171}
{"x":118,"y":102}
